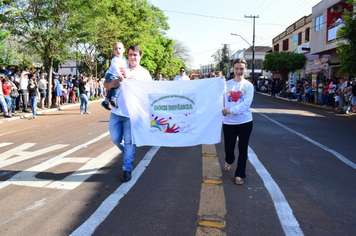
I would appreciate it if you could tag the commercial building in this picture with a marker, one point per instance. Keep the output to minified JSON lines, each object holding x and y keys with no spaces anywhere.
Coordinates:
{"x":296,"y":38}
{"x":327,"y":19}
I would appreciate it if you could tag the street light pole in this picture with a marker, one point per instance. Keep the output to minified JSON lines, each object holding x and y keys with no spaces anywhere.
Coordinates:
{"x":253,"y":45}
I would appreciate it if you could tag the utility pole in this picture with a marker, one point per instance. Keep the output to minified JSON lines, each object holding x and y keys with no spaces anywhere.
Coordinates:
{"x":253,"y":45}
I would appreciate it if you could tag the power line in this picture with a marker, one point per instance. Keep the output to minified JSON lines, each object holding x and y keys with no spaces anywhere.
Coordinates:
{"x":222,"y":18}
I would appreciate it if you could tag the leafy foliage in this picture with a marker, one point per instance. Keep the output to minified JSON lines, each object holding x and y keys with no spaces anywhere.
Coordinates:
{"x":86,"y":30}
{"x":48,"y":26}
{"x":221,"y":57}
{"x":5,"y":52}
{"x":347,"y":49}
{"x":284,"y":62}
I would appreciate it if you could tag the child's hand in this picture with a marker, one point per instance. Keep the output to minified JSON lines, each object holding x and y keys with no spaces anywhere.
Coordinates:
{"x":123,"y":72}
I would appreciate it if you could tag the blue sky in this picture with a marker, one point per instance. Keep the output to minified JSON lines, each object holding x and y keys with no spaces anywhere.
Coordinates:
{"x":204,"y":35}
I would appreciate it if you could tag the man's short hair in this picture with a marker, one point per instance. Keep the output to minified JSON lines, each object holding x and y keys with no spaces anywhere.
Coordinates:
{"x":136,"y":48}
{"x":240,"y":60}
{"x":182,"y":68}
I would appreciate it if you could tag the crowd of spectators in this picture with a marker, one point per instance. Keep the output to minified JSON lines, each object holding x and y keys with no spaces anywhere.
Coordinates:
{"x":16,"y":87}
{"x":336,"y":93}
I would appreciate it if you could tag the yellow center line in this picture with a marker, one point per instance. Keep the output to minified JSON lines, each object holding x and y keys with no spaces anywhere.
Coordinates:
{"x":212,"y":206}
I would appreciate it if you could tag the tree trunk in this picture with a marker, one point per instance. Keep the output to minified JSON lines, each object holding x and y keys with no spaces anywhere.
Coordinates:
{"x":49,"y":90}
{"x":96,"y":77}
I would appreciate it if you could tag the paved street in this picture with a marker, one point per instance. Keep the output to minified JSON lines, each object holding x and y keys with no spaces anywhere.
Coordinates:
{"x":60,"y":175}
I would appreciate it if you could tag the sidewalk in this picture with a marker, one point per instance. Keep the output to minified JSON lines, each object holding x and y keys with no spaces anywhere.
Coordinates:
{"x":308,"y":104}
{"x":22,"y":115}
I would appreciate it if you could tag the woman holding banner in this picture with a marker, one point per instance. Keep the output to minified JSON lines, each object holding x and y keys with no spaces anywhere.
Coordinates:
{"x":237,"y":119}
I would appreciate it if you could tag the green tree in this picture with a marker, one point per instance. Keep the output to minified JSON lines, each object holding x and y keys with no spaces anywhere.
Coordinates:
{"x":131,"y":22}
{"x":157,"y":55}
{"x":221,"y":58}
{"x":49,"y":26}
{"x":347,"y":48}
{"x":6,"y":54}
{"x":284,"y":63}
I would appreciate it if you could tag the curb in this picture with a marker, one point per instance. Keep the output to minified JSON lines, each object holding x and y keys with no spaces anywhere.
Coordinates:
{"x":3,"y":120}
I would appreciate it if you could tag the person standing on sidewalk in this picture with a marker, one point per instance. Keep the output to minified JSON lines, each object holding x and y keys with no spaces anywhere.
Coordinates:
{"x":33,"y":95}
{"x":353,"y":99}
{"x":42,"y":86}
{"x":83,"y":95}
{"x":320,"y":92}
{"x":341,"y":86}
{"x":23,"y":88}
{"x":237,"y":119}
{"x":119,"y":125}
{"x":3,"y":104}
{"x":6,"y":88}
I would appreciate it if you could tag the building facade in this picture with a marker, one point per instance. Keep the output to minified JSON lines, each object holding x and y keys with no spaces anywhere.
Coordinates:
{"x":296,"y":38}
{"x":327,"y":19}
{"x":69,"y":67}
{"x":206,"y":69}
{"x":260,"y":53}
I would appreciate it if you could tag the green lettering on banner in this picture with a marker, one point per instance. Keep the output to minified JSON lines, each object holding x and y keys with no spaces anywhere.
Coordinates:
{"x":160,"y":107}
{"x":172,"y":96}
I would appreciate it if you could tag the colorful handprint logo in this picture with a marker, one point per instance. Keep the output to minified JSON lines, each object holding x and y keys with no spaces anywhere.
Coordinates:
{"x":161,"y":123}
{"x":172,"y":129}
{"x":158,"y":123}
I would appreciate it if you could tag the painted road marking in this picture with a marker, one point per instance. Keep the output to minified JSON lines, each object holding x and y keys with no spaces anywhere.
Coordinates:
{"x":90,"y":225}
{"x":20,"y":154}
{"x":338,"y":155}
{"x":4,"y":144}
{"x":212,"y":205}
{"x":49,"y":162}
{"x":285,"y":214}
{"x":91,"y":165}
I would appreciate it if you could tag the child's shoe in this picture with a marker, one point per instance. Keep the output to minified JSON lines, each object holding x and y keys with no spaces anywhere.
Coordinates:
{"x":105,"y":104}
{"x":113,"y":103}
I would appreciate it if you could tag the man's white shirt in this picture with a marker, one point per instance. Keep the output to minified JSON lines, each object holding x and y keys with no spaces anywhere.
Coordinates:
{"x":179,"y":77}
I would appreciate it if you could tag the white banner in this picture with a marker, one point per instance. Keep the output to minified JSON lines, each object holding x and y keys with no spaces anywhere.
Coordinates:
{"x":175,"y":113}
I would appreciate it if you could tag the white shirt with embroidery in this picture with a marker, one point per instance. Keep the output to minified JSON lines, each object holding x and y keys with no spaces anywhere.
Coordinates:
{"x":238,"y":98}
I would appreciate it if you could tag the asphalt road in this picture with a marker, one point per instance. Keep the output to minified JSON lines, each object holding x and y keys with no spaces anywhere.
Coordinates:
{"x":60,"y":175}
